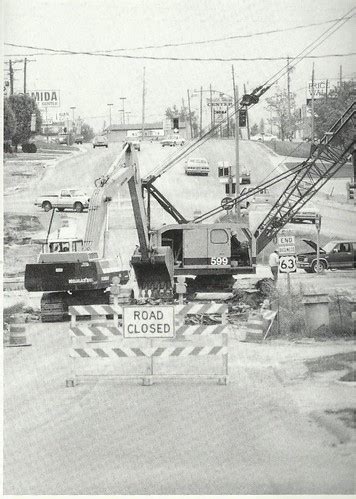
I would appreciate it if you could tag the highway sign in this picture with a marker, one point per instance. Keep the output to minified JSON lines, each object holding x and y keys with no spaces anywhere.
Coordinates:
{"x":227,"y":203}
{"x":287,"y":264}
{"x":148,"y":322}
{"x":286,"y":245}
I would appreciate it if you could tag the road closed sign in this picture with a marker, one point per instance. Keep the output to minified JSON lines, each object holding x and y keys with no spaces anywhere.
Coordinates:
{"x":148,"y":322}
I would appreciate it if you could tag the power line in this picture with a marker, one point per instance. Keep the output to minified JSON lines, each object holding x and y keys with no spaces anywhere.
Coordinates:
{"x":213,"y":40}
{"x":50,"y":51}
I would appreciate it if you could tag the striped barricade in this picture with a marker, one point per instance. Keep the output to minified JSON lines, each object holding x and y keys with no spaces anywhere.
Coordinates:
{"x":98,"y":347}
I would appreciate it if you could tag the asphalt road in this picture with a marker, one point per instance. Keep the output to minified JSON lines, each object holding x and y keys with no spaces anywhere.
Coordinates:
{"x":175,"y":437}
{"x":248,"y":437}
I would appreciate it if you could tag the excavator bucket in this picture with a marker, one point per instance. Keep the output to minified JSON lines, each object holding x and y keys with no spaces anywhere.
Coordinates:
{"x":154,"y":276}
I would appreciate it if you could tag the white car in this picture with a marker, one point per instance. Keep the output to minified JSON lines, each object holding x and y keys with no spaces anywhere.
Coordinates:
{"x":307,"y":213}
{"x":100,"y":141}
{"x":264,"y":137}
{"x":197,"y":166}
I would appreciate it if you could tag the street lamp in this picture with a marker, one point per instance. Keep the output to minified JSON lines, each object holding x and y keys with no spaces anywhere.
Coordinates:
{"x":110,"y":106}
{"x":123,"y":108}
{"x":73,"y":108}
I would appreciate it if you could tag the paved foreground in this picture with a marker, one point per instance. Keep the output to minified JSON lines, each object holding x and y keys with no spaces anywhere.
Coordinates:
{"x":187,"y":437}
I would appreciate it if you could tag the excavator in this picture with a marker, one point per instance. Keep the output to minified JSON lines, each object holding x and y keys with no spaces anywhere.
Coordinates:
{"x":212,"y":253}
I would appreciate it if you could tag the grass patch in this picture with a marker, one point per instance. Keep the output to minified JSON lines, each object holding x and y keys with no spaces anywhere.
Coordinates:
{"x":292,"y":324}
{"x":347,"y":416}
{"x":336,"y":362}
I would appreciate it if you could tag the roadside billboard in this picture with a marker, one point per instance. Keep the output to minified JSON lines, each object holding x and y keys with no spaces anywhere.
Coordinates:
{"x":46,"y":98}
{"x":319,"y":89}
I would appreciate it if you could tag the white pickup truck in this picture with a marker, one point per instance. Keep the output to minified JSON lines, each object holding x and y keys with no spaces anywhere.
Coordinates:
{"x":73,"y":199}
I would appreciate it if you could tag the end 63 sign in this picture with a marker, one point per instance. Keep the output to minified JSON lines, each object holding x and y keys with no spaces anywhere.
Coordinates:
{"x":148,"y":322}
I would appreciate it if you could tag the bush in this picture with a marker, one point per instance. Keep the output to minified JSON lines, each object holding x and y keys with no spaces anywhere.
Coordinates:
{"x":29,"y":147}
{"x":7,"y":147}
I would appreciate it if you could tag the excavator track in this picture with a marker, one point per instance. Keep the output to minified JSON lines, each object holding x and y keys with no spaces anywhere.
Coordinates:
{"x":54,"y":306}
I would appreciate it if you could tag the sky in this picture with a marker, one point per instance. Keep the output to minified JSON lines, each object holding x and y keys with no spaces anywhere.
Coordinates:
{"x":89,"y":83}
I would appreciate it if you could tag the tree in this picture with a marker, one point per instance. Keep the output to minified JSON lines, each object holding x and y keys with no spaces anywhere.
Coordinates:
{"x":183,"y":115}
{"x":328,"y":110}
{"x":284,"y":113}
{"x":261,"y":128}
{"x":9,"y":121}
{"x":87,"y":132}
{"x":23,"y":106}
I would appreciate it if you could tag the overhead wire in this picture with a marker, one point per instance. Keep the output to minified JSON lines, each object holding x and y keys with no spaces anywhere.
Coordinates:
{"x":271,"y":81}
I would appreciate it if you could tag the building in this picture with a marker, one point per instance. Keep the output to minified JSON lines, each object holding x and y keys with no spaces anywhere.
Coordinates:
{"x":155,"y":131}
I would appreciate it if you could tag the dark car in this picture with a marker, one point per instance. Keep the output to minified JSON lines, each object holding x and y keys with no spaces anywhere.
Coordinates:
{"x":334,"y":255}
{"x":79,"y":139}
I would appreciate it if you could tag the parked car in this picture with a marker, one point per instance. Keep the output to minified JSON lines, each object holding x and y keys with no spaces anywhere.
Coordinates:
{"x":79,"y":139}
{"x":197,"y":166}
{"x":307,"y":214}
{"x":74,"y":199}
{"x":334,"y":255}
{"x":179,"y":141}
{"x":100,"y":141}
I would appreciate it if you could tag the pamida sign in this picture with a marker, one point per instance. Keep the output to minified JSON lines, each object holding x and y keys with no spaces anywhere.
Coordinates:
{"x":46,"y":98}
{"x":148,"y":321}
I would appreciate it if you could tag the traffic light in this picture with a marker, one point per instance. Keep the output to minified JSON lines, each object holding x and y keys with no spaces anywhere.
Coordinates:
{"x":176,"y":123}
{"x":242,"y":117}
{"x":351,"y":191}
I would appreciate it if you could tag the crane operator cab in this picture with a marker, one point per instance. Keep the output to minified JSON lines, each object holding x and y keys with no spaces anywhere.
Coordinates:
{"x":211,"y":252}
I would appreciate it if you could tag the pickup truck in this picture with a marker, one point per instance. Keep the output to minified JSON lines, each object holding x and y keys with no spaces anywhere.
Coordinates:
{"x":334,"y":255}
{"x":73,"y":199}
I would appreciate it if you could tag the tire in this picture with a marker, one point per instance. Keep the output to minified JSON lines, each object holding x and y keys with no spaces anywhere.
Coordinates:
{"x":60,"y":209}
{"x":47,"y":206}
{"x":93,"y":147}
{"x":322,"y":266}
{"x":78,"y":207}
{"x":106,"y":147}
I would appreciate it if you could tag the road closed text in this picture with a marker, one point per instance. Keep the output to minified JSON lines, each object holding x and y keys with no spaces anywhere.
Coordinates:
{"x":148,"y":322}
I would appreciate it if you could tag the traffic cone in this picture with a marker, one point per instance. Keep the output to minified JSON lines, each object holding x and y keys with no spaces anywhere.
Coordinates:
{"x":17,"y":337}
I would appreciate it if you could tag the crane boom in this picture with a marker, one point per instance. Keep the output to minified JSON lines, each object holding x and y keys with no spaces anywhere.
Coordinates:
{"x":324,"y":162}
{"x":98,"y":201}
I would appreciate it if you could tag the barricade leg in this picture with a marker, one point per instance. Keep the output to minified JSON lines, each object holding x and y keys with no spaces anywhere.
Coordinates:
{"x":224,"y":379}
{"x":148,"y":380}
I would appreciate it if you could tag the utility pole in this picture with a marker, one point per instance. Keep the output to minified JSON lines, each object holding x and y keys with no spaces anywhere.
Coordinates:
{"x":312,"y":106}
{"x":127,"y":116}
{"x":247,"y":118}
{"x":143,"y":103}
{"x":237,"y":145}
{"x":190,"y":115}
{"x":11,"y":71}
{"x":340,"y":76}
{"x":211,"y":107}
{"x":123,"y":108}
{"x":326,"y":90}
{"x":288,"y":87}
{"x":201,"y":111}
{"x":24,"y":74}
{"x":110,"y":106}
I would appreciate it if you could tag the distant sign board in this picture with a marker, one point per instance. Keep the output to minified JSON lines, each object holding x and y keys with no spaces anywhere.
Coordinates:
{"x":219,"y":102}
{"x":286,"y":245}
{"x":46,"y":98}
{"x":319,"y":89}
{"x":148,"y":322}
{"x":33,"y":122}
